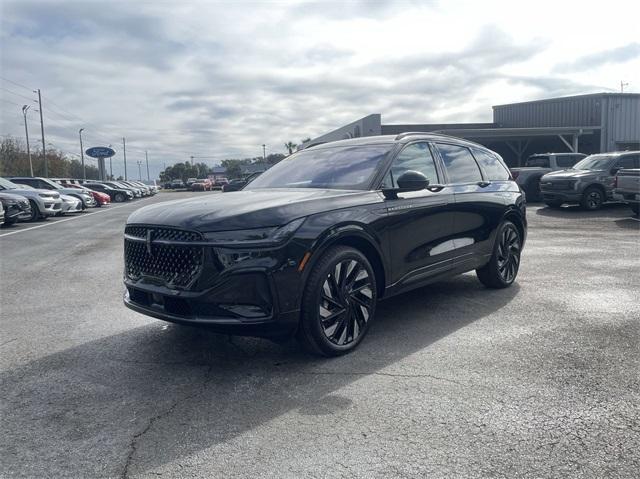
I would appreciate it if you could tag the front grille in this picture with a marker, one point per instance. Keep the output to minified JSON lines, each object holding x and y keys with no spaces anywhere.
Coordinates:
{"x":173,"y":265}
{"x":557,"y":185}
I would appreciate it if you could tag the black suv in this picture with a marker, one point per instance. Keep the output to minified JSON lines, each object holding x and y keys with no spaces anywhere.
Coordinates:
{"x":311,"y":245}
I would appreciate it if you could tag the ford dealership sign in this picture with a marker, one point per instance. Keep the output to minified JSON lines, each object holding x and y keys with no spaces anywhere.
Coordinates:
{"x":100,"y":152}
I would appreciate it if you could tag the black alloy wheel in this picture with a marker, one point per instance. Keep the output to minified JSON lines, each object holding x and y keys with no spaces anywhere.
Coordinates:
{"x":592,"y":198}
{"x":339,"y":302}
{"x":502,"y":269}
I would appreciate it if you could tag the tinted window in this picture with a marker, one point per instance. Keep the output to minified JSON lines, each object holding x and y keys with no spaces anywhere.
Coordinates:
{"x":340,"y":167}
{"x":628,"y":162}
{"x":460,"y":165}
{"x":567,"y":161}
{"x":415,"y":157}
{"x":27,"y":181}
{"x":493,"y":168}
{"x":538,"y":162}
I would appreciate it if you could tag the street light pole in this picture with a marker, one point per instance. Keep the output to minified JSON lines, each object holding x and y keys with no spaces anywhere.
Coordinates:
{"x":44,"y":152}
{"x":110,"y":167}
{"x":124,"y":153}
{"x":26,"y":132}
{"x":146,"y":157}
{"x":139,"y":170}
{"x":264,"y":154}
{"x":84,"y":171}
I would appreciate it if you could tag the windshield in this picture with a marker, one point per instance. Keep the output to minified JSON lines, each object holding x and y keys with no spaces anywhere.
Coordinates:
{"x":341,"y":167}
{"x":593,"y":162}
{"x":7,"y":185}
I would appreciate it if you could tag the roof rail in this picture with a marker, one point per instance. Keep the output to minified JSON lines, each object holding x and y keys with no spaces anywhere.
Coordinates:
{"x":410,"y":133}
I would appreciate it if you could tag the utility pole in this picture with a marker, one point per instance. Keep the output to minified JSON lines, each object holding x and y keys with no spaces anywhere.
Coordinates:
{"x":146,"y":157}
{"x":44,"y":152}
{"x":139,"y":170}
{"x":264,"y":154}
{"x":622,"y":85}
{"x":84,"y":171}
{"x":191,"y":160}
{"x":124,"y":153}
{"x":26,"y":132}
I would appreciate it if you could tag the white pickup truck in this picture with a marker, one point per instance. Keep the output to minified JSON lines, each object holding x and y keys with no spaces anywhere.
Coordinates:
{"x":538,"y":165}
{"x":627,"y":188}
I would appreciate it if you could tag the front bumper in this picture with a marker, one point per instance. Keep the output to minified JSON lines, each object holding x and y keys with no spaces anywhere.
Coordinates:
{"x":52,"y":208}
{"x":253,"y":293}
{"x":565,"y":196}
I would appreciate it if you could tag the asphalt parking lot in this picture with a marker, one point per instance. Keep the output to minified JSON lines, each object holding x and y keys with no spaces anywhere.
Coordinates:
{"x":539,"y":380}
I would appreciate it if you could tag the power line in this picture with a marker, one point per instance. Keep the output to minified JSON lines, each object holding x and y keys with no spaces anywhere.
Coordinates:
{"x":17,"y":94}
{"x":17,"y":84}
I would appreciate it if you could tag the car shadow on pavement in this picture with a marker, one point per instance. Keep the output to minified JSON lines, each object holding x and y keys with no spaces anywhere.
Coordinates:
{"x":608,"y":210}
{"x":134,"y":401}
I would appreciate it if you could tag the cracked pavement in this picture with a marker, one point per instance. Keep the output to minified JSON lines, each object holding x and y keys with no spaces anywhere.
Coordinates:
{"x":540,"y":380}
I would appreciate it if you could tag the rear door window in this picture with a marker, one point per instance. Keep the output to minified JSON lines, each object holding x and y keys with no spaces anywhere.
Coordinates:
{"x":629,"y":162}
{"x":459,"y":162}
{"x":493,"y":168}
{"x":538,"y":162}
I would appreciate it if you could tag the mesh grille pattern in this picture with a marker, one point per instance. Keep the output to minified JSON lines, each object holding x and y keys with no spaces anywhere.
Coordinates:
{"x":176,"y":266}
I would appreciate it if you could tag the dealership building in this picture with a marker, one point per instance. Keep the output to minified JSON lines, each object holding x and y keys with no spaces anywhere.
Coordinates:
{"x":585,"y":123}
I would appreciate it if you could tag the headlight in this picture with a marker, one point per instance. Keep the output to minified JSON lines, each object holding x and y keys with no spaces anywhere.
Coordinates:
{"x":256,"y":236}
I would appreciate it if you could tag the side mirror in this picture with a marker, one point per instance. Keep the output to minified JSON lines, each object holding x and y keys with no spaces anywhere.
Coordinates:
{"x":408,"y":181}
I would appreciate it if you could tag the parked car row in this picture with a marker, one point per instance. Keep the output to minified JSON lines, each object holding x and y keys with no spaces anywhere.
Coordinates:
{"x":26,"y":198}
{"x":559,"y":178}
{"x":197,"y":184}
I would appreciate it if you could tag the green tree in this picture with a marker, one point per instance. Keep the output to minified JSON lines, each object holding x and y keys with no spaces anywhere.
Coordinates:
{"x":290,"y":146}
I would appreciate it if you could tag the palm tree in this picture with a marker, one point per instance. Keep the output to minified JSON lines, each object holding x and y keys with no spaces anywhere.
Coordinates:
{"x":290,"y":146}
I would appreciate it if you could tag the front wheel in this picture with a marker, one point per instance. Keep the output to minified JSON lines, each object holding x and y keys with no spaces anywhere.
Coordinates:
{"x":338,"y":303}
{"x":119,"y":198}
{"x":592,"y":198}
{"x":502,"y":268}
{"x":35,"y":212}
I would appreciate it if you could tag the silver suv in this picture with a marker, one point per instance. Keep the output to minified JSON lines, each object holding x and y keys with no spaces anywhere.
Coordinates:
{"x":46,"y":184}
{"x":44,"y":203}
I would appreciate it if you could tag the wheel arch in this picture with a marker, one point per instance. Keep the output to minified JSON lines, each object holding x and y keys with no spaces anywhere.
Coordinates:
{"x":355,"y":237}
{"x":515,"y":217}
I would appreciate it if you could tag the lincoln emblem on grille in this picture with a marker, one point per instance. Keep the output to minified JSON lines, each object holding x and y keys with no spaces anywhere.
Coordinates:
{"x":149,"y":240}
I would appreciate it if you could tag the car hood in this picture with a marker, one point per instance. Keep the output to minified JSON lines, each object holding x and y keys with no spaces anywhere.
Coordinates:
{"x":568,"y":174}
{"x":12,"y":196}
{"x":34,"y":193}
{"x":249,"y":208}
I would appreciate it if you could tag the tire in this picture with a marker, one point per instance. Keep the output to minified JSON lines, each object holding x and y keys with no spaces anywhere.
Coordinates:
{"x":35,"y":212}
{"x":592,"y":198}
{"x":82,"y":206}
{"x":635,"y":207}
{"x":502,"y":269}
{"x":338,"y":303}
{"x":553,"y":204}
{"x":119,"y":198}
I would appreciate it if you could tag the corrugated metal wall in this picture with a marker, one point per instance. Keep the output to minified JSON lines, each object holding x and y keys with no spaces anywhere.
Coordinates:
{"x":620,"y":121}
{"x":571,"y":111}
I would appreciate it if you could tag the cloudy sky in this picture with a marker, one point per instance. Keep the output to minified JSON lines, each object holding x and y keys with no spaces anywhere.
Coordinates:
{"x":219,"y":79}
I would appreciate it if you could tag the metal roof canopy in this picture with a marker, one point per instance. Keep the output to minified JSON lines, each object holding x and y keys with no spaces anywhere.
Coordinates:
{"x":522,"y":136}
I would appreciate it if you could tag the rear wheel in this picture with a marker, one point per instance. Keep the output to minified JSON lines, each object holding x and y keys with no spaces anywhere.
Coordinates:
{"x":592,"y":198}
{"x":339,"y":302}
{"x":502,"y":268}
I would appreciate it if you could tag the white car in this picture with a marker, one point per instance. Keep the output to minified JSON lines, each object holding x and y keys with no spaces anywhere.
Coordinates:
{"x":70,"y":204}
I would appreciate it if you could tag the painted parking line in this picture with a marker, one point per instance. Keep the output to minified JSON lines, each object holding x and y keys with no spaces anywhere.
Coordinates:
{"x":84,"y":215}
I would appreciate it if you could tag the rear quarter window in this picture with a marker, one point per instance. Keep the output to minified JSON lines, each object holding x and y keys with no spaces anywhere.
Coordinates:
{"x":538,"y":162}
{"x":493,"y":168}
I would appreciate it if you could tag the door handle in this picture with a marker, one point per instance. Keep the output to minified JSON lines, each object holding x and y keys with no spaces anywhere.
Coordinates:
{"x":483,"y":184}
